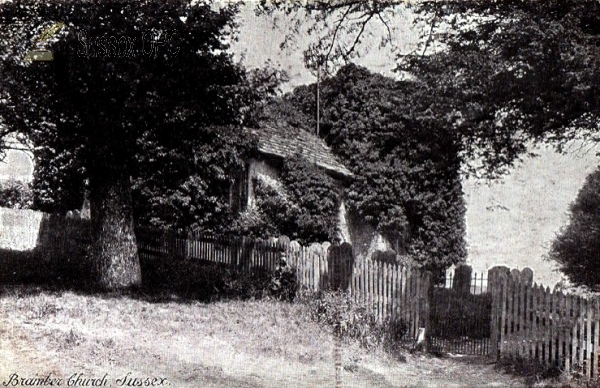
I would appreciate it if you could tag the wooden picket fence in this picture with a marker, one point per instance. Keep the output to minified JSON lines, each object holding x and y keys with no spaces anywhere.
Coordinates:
{"x":393,"y":291}
{"x":397,"y":293}
{"x":548,"y":327}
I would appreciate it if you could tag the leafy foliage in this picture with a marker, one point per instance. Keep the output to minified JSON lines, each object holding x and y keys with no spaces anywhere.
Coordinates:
{"x":577,"y":247}
{"x":15,"y":194}
{"x":500,"y":74}
{"x":405,"y":161}
{"x":109,"y":117}
{"x":184,"y":191}
{"x":317,"y":197}
{"x":536,"y":372}
{"x":511,"y":73}
{"x":58,"y":182}
{"x":303,"y":206}
{"x":272,"y":212}
{"x":351,"y":319}
{"x":213,"y":281}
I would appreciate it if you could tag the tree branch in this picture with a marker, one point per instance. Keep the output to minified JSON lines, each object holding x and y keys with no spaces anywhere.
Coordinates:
{"x":337,"y":28}
{"x":358,"y":36}
{"x":386,"y":26}
{"x":430,"y":37}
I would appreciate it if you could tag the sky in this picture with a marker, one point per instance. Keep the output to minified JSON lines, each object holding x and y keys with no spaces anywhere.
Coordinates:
{"x":509,"y":222}
{"x":260,"y":39}
{"x":513,"y":221}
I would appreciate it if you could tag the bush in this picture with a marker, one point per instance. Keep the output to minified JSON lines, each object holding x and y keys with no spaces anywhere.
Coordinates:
{"x":278,"y":284}
{"x":531,"y":370}
{"x":207,"y":281}
{"x":351,"y":319}
{"x":16,"y":195}
{"x":35,"y":268}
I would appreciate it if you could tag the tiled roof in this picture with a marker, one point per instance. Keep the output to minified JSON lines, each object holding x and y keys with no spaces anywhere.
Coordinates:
{"x":286,"y":141}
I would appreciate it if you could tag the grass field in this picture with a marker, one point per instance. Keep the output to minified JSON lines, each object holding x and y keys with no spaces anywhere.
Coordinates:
{"x":193,"y":344}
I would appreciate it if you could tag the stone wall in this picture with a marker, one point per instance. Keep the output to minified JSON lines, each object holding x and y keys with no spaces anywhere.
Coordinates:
{"x":258,"y":167}
{"x":44,"y":234}
{"x":364,"y":238}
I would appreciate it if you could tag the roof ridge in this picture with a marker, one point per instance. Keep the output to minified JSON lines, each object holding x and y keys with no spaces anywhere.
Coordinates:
{"x":273,"y":141}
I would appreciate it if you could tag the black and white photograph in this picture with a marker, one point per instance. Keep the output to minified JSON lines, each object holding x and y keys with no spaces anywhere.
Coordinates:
{"x":300,"y":193}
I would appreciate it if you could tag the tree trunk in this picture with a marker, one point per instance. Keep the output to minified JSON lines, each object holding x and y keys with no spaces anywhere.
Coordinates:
{"x":114,"y":255}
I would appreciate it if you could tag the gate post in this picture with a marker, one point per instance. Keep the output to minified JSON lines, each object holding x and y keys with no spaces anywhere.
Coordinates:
{"x":496,"y":282}
{"x":428,"y":291}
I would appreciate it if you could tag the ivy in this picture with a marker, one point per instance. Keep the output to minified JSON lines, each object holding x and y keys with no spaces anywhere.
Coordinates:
{"x":406,"y":162}
{"x":303,"y":204}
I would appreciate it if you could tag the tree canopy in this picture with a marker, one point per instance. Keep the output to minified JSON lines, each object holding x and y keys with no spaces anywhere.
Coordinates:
{"x":577,"y":247}
{"x":137,"y":92}
{"x":504,"y":73}
{"x":524,"y":71}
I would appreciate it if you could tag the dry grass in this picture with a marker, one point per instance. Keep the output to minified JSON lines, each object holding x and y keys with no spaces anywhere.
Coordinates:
{"x":193,"y":344}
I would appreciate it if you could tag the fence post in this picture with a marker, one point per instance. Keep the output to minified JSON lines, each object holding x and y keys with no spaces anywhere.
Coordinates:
{"x":427,"y":291}
{"x":496,"y":275}
{"x":283,"y":245}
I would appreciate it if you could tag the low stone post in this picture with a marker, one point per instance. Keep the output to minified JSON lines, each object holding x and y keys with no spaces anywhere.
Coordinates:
{"x":462,"y":279}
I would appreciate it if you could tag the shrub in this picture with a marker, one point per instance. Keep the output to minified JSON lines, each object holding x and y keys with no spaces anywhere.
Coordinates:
{"x":41,"y":269}
{"x":351,"y":319}
{"x":16,"y":195}
{"x":531,"y":370}
{"x":277,"y":284}
{"x":201,"y":280}
{"x":577,"y":249}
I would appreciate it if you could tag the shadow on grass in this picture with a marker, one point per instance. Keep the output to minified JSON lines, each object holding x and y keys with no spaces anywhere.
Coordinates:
{"x":532,"y":371}
{"x":163,"y":280}
{"x":29,"y":268}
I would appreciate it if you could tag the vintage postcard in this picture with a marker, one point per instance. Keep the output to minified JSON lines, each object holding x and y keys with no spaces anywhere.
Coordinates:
{"x":283,"y":193}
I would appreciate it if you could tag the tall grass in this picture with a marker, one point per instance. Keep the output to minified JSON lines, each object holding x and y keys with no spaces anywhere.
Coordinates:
{"x":351,"y":320}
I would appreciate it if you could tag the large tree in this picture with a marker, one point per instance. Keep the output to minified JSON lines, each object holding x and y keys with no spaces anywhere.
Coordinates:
{"x":133,"y":86}
{"x":505,"y":72}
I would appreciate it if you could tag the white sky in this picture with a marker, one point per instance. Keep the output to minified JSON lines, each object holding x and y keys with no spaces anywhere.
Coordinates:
{"x":259,"y":43}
